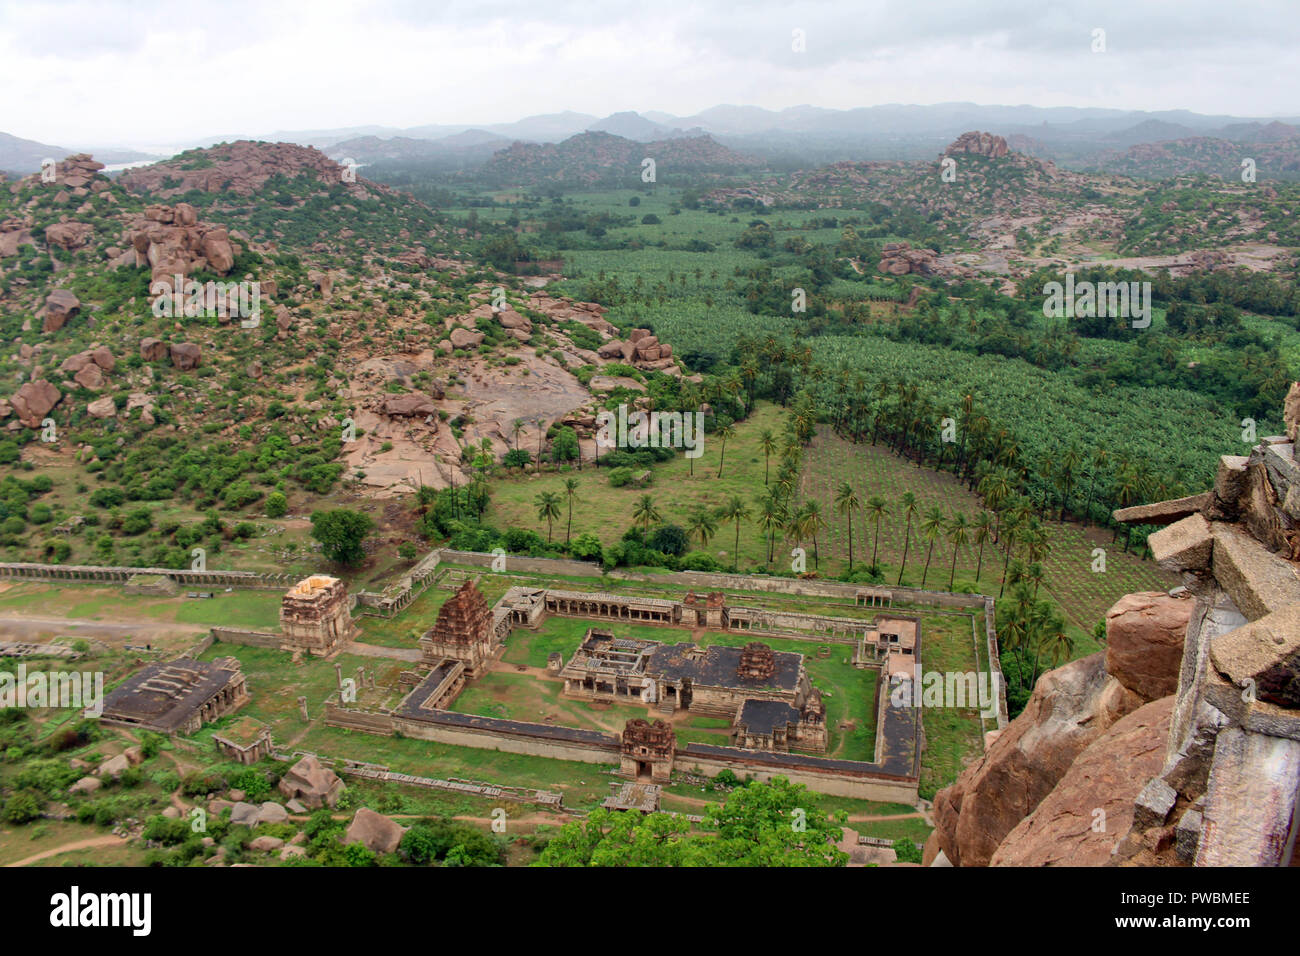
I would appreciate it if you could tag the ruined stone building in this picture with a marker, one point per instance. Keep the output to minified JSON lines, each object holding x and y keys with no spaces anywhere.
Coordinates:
{"x":177,"y":698}
{"x":710,"y":611}
{"x":247,"y":740}
{"x":465,"y":631}
{"x":648,"y":750}
{"x":715,"y":681}
{"x":315,"y":616}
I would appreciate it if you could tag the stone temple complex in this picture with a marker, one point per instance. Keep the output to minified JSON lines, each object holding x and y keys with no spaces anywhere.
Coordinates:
{"x":768,"y":689}
{"x":315,"y":615}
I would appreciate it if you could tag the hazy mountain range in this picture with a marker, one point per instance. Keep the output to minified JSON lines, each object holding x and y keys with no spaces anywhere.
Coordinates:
{"x":799,"y":135}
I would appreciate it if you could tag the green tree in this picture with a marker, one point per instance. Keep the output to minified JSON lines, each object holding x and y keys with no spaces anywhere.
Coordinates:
{"x":341,"y":534}
{"x":931,"y":527}
{"x":646,"y":512}
{"x":846,"y":502}
{"x":909,"y":509}
{"x":958,"y":530}
{"x":735,"y":510}
{"x":877,"y":508}
{"x":548,"y":509}
{"x":570,"y":489}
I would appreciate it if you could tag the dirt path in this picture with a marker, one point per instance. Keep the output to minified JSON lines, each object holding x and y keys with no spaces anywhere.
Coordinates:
{"x":28,"y":627}
{"x":67,"y":847}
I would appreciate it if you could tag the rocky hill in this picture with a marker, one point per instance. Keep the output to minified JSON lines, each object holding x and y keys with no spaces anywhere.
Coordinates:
{"x":374,"y":353}
{"x":1273,"y":159}
{"x":994,"y":210}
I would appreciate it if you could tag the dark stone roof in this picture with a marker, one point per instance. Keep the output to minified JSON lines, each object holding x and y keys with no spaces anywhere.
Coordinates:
{"x":717,"y":667}
{"x":764,"y":716}
{"x":166,"y":695}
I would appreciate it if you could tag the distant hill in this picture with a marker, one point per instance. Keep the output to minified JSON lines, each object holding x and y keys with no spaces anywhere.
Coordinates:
{"x":1206,"y":155}
{"x":23,"y":156}
{"x":469,"y":147}
{"x":603,"y":159}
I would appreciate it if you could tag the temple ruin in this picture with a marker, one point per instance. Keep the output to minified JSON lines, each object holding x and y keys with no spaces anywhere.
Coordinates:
{"x":465,"y":631}
{"x":647,"y":750}
{"x":315,"y":615}
{"x":177,"y":698}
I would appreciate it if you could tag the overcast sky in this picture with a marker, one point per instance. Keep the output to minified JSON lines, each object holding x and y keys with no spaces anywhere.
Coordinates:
{"x":140,"y":72}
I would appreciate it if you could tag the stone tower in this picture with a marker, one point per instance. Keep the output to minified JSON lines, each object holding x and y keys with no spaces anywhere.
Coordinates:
{"x":314,"y":615}
{"x":462,"y":632}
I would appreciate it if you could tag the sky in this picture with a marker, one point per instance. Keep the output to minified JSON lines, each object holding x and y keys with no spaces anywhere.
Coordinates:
{"x":145,"y":72}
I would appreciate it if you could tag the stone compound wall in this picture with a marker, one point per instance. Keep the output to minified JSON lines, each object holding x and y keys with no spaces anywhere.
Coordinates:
{"x":120,"y":575}
{"x":237,"y":635}
{"x":543,"y":740}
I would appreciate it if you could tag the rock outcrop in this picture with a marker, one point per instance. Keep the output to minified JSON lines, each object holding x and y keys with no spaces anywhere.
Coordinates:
{"x":900,"y":259}
{"x":375,"y":831}
{"x":1209,"y":775}
{"x":34,"y":400}
{"x":311,"y":784}
{"x":978,"y":144}
{"x":69,"y":236}
{"x":1070,"y":707}
{"x":60,"y":306}
{"x":1078,"y":823}
{"x":171,"y":241}
{"x":185,"y":355}
{"x":1144,"y":641}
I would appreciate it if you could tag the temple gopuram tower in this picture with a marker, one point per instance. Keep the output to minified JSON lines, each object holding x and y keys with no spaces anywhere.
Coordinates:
{"x":462,"y":632}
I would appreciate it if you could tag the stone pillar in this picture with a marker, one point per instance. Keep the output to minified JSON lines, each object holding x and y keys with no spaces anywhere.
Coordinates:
{"x":302,"y":706}
{"x":338,"y":676}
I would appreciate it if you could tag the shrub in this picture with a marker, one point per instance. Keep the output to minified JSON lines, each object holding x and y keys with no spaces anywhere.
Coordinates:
{"x":277,"y":506}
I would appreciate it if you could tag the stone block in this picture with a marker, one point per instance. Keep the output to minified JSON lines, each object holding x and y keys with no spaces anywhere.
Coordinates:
{"x":1185,"y":545}
{"x":1265,"y":651}
{"x":1252,"y":795}
{"x":1230,"y":480}
{"x":1258,"y":581}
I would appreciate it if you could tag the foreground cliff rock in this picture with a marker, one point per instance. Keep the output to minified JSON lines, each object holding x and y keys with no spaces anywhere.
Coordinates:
{"x":1071,"y":707}
{"x":1206,"y":771}
{"x":1077,"y":824}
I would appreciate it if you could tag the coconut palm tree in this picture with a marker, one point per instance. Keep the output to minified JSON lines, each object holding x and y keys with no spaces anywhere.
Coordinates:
{"x":548,"y":509}
{"x":910,"y":507}
{"x":983,"y":531}
{"x":702,"y":525}
{"x":735,"y":510}
{"x":931,"y":527}
{"x":771,"y":515}
{"x":767,"y":442}
{"x":570,"y":489}
{"x":958,"y":528}
{"x":725,"y":432}
{"x":846,"y":502}
{"x":877,"y":508}
{"x":812,"y":523}
{"x":645,"y":511}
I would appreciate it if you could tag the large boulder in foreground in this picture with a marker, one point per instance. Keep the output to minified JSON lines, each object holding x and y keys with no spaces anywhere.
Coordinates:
{"x":311,"y":784}
{"x":375,"y":831}
{"x":1085,"y":815}
{"x":1070,"y":707}
{"x":1144,"y":641}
